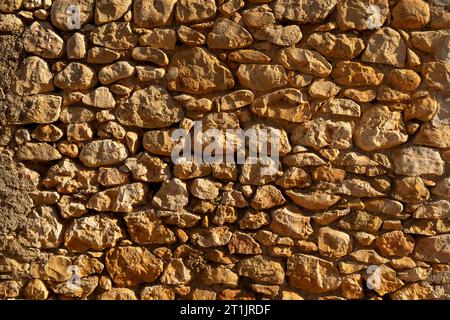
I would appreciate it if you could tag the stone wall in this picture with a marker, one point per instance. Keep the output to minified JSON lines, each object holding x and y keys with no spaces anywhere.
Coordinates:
{"x":93,"y":205}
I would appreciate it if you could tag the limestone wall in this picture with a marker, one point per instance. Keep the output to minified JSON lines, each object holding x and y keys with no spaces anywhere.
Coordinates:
{"x":352,"y":201}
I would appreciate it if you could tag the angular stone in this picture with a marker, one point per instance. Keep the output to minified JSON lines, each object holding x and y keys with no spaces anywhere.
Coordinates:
{"x":172,"y":195}
{"x":69,"y":207}
{"x":159,"y":142}
{"x":158,"y":292}
{"x":100,"y":98}
{"x":205,"y":189}
{"x":41,"y":39}
{"x":152,"y":107}
{"x":303,"y":159}
{"x":261,"y":77}
{"x":431,"y":41}
{"x":289,"y":221}
{"x":317,"y":200}
{"x":211,"y":237}
{"x":180,"y":218}
{"x":117,"y":294}
{"x":159,"y":38}
{"x":108,"y":11}
{"x":439,"y":209}
{"x":146,"y":228}
{"x":254,"y":221}
{"x":243,"y":243}
{"x":384,"y":280}
{"x":414,"y":291}
{"x":360,"y":95}
{"x":114,"y":35}
{"x":333,"y":243}
{"x":417,"y":161}
{"x":320,"y":133}
{"x":261,"y":268}
{"x":344,"y":46}
{"x":361,"y":221}
{"x":258,"y":17}
{"x":306,"y":61}
{"x":120,"y":199}
{"x":176,"y":273}
{"x":32,"y":77}
{"x":267,"y":197}
{"x":342,"y":107}
{"x":87,"y":286}
{"x":368,"y":256}
{"x":361,"y":14}
{"x":227,"y":34}
{"x":395,"y":243}
{"x":379,"y":129}
{"x":302,"y":11}
{"x":323,"y":89}
{"x":40,"y":152}
{"x":129,"y":266}
{"x":279,"y":35}
{"x":148,"y":168}
{"x":95,"y":232}
{"x":76,"y":76}
{"x":190,"y":170}
{"x":356,"y":74}
{"x":153,"y":13}
{"x":285,"y":104}
{"x":385,"y":46}
{"x":312,"y":274}
{"x":190,"y":36}
{"x":62,"y":13}
{"x":102,"y":153}
{"x":189,"y":11}
{"x":197,"y":71}
{"x":359,"y":188}
{"x":36,"y":290}
{"x":149,"y":73}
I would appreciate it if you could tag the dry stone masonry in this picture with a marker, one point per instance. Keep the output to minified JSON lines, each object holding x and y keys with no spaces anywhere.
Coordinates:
{"x":93,"y":205}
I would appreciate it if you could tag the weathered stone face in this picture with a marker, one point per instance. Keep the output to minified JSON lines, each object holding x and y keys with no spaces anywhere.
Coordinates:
{"x":225,"y":149}
{"x":198,"y":71}
{"x":93,"y":232}
{"x":312,"y":274}
{"x":129,"y":266}
{"x":150,"y":108}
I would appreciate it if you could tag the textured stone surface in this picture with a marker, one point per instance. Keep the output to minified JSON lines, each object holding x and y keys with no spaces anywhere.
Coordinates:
{"x":152,"y":107}
{"x":225,"y":149}
{"x":198,"y":71}
{"x":129,"y":266}
{"x":312,"y":273}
